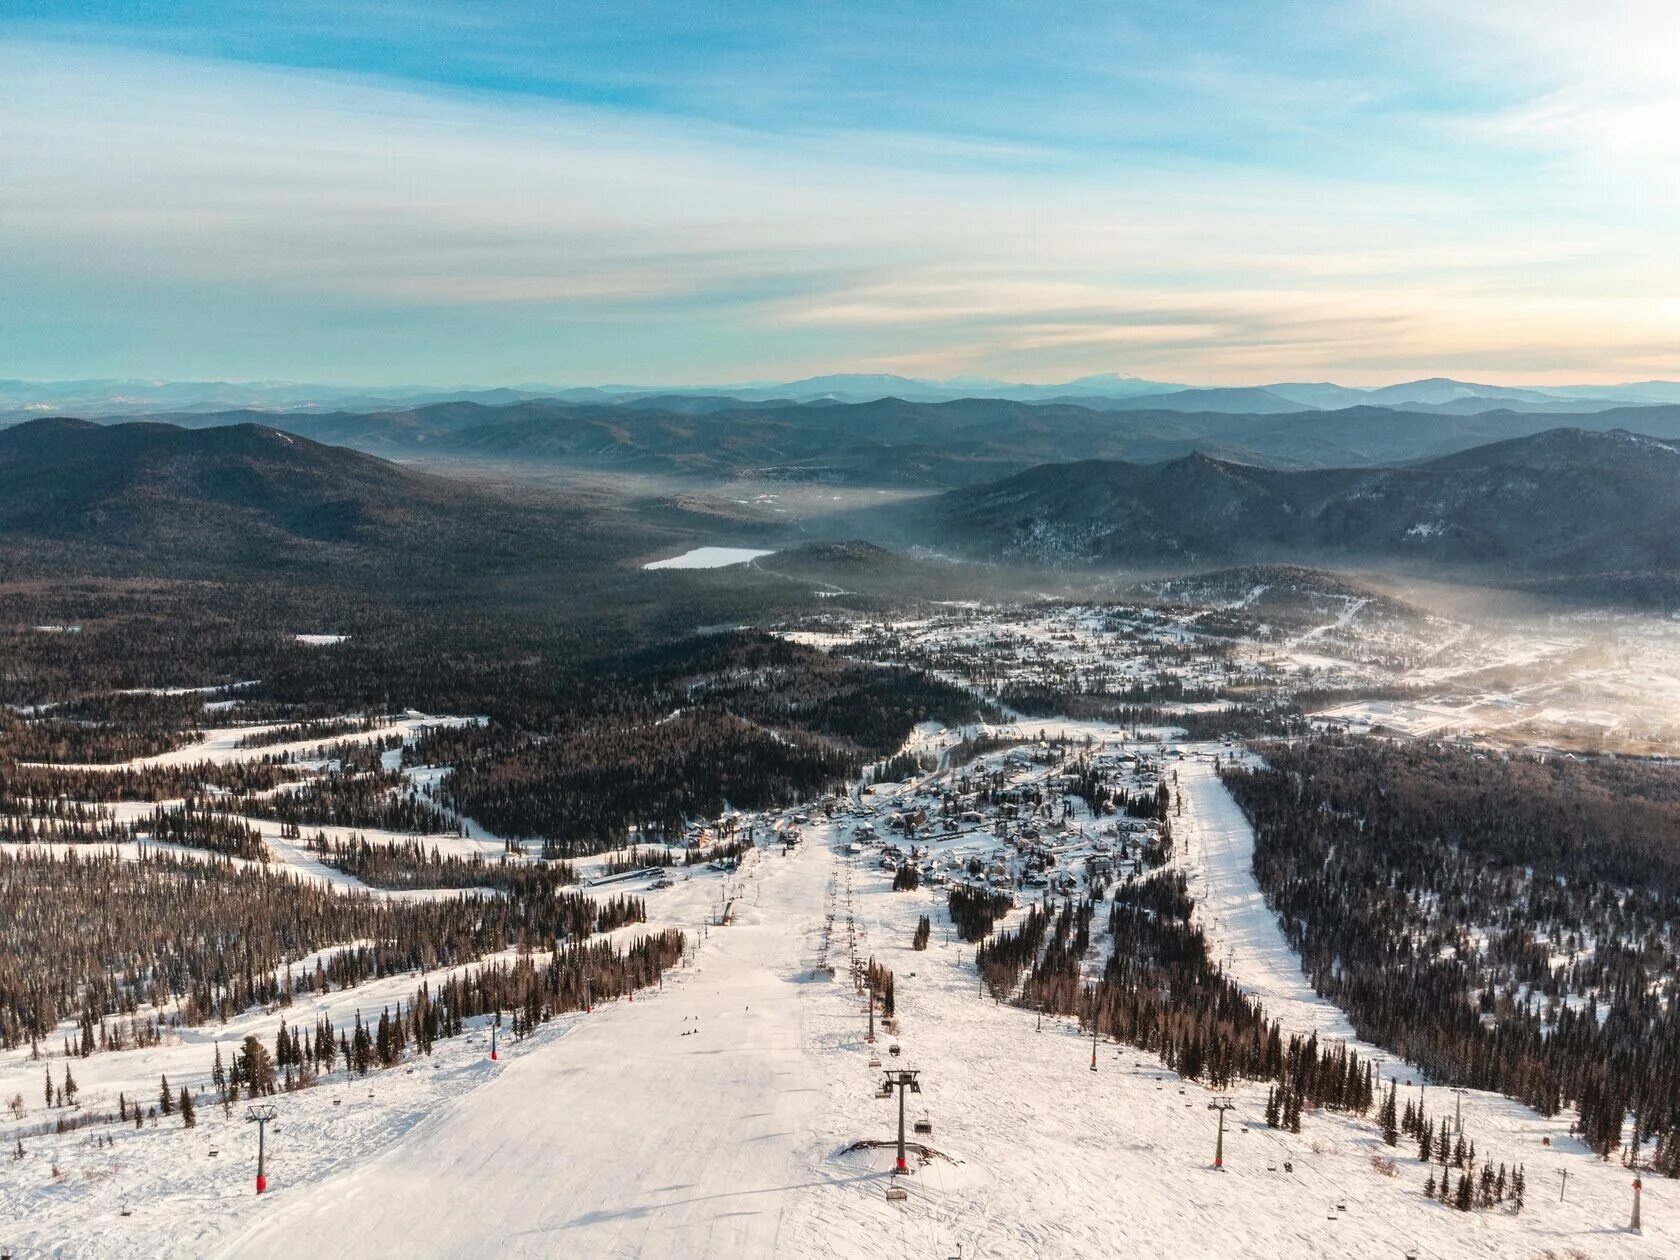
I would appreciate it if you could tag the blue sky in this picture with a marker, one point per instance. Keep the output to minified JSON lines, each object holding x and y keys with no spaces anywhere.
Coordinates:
{"x":485,"y":193}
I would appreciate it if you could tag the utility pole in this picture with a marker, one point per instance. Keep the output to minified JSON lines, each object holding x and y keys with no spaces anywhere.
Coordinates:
{"x":871,"y":1038}
{"x":260,"y":1116}
{"x":904,"y":1081}
{"x":1458,"y":1108}
{"x":1093,"y":1041}
{"x":1221,"y":1105}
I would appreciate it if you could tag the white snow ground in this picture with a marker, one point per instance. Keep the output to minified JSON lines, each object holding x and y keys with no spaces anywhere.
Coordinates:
{"x":615,"y":1134}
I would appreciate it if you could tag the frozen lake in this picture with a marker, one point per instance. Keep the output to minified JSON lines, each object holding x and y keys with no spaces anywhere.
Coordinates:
{"x":709,"y":558}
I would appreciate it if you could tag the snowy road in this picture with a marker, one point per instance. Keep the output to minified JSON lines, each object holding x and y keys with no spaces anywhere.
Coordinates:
{"x":624,"y":1137}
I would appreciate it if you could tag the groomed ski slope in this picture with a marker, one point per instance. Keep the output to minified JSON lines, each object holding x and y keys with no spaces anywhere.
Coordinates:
{"x":623,"y":1137}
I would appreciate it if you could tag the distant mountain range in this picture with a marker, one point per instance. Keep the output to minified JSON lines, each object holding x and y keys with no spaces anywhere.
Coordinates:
{"x":1562,"y":502}
{"x":250,"y":503}
{"x":1108,"y":391}
{"x":894,"y":441}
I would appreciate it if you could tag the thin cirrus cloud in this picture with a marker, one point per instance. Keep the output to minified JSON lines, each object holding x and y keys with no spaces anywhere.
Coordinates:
{"x":225,"y":214}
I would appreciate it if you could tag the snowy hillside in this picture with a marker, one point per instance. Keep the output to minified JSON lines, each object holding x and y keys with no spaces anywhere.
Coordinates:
{"x":714,"y":1116}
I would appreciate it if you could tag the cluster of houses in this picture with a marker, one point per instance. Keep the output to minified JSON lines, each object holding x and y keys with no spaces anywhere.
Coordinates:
{"x":1012,"y":823}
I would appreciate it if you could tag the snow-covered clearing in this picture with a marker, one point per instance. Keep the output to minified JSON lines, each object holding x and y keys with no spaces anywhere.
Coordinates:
{"x":224,"y":745}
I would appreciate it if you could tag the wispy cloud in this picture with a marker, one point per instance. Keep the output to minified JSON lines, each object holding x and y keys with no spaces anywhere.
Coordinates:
{"x":1202,"y":213}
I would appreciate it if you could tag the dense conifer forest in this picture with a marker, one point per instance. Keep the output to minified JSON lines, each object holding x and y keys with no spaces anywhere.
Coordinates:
{"x":1506,"y":922}
{"x":202,"y":938}
{"x":668,"y":735}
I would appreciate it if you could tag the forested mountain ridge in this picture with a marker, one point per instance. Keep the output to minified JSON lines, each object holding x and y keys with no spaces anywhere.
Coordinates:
{"x":1563,"y":501}
{"x":149,"y":499}
{"x":958,"y":442}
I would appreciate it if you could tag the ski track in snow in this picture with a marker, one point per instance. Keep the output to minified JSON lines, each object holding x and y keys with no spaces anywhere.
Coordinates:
{"x":551,"y":1158}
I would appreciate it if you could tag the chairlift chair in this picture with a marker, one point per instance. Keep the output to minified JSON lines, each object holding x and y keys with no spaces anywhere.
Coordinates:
{"x":896,"y":1194}
{"x":924,"y":1126}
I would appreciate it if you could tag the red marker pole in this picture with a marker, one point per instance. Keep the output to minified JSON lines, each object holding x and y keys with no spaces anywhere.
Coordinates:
{"x":493,"y":1028}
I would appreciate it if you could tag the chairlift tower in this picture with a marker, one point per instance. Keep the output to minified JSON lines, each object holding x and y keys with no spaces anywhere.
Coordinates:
{"x":1221,"y":1105}
{"x":261,"y":1116}
{"x":905,"y":1082}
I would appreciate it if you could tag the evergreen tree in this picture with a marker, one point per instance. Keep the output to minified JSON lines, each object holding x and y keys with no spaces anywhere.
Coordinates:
{"x":166,"y":1098}
{"x":189,"y":1113}
{"x":1464,"y":1199}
